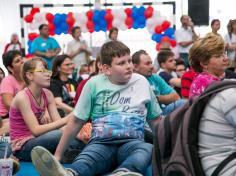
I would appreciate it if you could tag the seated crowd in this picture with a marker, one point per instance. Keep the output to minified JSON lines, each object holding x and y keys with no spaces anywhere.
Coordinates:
{"x":99,"y":122}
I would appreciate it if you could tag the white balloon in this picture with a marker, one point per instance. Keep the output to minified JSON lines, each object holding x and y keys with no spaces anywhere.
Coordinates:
{"x":156,"y":13}
{"x":97,"y":5}
{"x":77,"y":23}
{"x":83,"y":18}
{"x":76,"y":16}
{"x":123,"y":27}
{"x":33,"y":26}
{"x":116,"y":22}
{"x":151,"y":29}
{"x":83,"y":28}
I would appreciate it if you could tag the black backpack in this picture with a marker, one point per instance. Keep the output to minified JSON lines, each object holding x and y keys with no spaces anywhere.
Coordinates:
{"x":176,"y":137}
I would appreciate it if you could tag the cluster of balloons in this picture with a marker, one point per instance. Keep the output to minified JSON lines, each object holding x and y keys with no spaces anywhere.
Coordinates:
{"x":102,"y":20}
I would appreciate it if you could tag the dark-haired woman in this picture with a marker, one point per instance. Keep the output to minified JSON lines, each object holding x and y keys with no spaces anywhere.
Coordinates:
{"x":62,"y":86}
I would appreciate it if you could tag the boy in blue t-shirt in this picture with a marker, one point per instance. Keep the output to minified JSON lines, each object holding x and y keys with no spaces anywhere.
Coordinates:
{"x":119,"y":102}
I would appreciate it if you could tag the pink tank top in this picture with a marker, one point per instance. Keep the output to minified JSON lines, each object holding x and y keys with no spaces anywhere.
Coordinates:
{"x":19,"y":132}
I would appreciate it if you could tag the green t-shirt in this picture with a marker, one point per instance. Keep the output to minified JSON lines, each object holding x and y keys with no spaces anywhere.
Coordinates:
{"x":117,"y":111}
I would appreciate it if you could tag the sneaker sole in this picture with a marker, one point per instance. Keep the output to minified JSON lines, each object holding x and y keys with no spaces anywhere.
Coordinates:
{"x":45,"y":162}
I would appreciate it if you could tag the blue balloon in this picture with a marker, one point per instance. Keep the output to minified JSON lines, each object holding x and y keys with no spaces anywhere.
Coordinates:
{"x":157,"y":37}
{"x":135,"y":14}
{"x":103,"y":24}
{"x":97,"y":28}
{"x":102,"y":13}
{"x":63,"y":17}
{"x":141,"y":10}
{"x":135,"y":25}
{"x":96,"y":16}
{"x":169,"y":32}
{"x":64,"y":27}
{"x":29,"y":43}
{"x":141,"y":20}
{"x":57,"y":19}
{"x":58,"y":31}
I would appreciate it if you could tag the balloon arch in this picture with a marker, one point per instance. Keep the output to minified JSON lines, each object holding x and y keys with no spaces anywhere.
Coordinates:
{"x":102,"y":20}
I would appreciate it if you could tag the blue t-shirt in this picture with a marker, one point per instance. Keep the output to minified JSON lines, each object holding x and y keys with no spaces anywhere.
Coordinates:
{"x":117,"y":111}
{"x":159,"y":86}
{"x":44,"y":45}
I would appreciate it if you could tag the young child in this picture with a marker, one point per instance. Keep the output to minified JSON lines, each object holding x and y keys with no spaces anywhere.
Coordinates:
{"x":30,"y":125}
{"x":118,"y":102}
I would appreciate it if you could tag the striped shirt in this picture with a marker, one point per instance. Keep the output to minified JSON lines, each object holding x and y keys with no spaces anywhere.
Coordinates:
{"x":217,"y":132}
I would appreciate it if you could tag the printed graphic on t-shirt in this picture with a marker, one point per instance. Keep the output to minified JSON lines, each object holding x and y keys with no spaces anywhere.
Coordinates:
{"x":118,"y":125}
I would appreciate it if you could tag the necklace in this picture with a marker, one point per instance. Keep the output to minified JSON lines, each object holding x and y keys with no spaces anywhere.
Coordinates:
{"x":38,"y":102}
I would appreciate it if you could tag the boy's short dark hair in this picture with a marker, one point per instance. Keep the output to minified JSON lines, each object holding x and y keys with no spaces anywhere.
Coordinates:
{"x":74,"y":29}
{"x":163,"y":56}
{"x":179,"y":61}
{"x":112,"y":30}
{"x":41,"y":26}
{"x":136,"y":56}
{"x":8,"y":58}
{"x":113,"y":49}
{"x":214,"y":21}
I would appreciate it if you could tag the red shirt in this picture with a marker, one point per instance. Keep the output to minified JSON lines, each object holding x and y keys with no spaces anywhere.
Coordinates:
{"x":186,"y":82}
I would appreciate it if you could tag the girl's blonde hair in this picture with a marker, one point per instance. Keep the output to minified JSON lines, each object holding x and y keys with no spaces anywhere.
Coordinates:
{"x":30,"y":65}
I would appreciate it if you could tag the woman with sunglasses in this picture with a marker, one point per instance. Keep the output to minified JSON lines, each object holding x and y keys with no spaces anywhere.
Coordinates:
{"x":29,"y":126}
{"x":63,"y":87}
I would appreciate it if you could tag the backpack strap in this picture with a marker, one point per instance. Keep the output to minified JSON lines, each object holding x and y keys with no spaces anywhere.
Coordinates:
{"x":157,"y":153}
{"x":223,"y":164}
{"x":168,"y":137}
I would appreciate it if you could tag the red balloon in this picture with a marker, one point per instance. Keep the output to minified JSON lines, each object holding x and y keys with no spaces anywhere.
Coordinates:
{"x":128,"y":12}
{"x":32,"y":36}
{"x":129,"y":22}
{"x":109,"y":26}
{"x":70,"y":14}
{"x":34,"y":10}
{"x":108,"y":10}
{"x":158,"y":46}
{"x":90,"y":26}
{"x":70,"y":20}
{"x":51,"y":33}
{"x":109,"y":17}
{"x":89,"y":14}
{"x":165,"y":39}
{"x":148,"y":13}
{"x":51,"y":26}
{"x":28,"y":18}
{"x":150,"y":8}
{"x":158,"y":29}
{"x":173,"y":43}
{"x":165,"y":25}
{"x":49,"y":17}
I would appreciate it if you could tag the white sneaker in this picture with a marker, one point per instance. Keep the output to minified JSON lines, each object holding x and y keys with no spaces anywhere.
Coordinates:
{"x":46,"y":164}
{"x":125,"y":172}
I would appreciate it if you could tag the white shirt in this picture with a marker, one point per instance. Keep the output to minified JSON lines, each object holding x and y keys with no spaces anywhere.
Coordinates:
{"x":183,"y":35}
{"x":230,"y":41}
{"x":80,"y":58}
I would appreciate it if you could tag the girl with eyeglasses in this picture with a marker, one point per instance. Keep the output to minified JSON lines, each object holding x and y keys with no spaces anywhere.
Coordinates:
{"x":34,"y":119}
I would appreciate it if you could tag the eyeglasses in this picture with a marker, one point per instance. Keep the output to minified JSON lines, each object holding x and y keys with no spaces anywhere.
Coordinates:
{"x":180,"y":70}
{"x":220,"y":55}
{"x":42,"y":71}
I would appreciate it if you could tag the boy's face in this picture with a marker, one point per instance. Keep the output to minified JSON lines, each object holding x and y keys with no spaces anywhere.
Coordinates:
{"x":170,"y":64}
{"x":120,"y":71}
